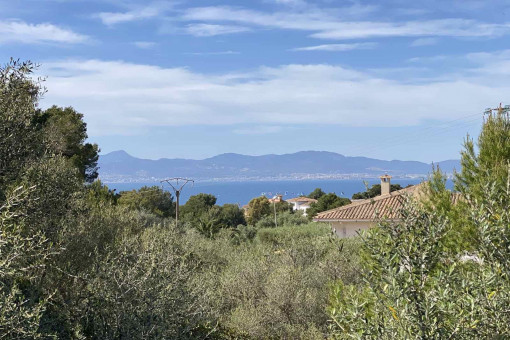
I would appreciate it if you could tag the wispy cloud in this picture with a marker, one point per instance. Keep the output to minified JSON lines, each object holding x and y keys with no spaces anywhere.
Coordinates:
{"x":144,"y":44}
{"x":441,"y":27}
{"x":496,"y":64}
{"x":210,"y":30}
{"x":26,"y":33}
{"x":432,"y":59}
{"x":112,"y":18}
{"x":134,"y":97}
{"x":424,"y":42}
{"x":338,"y":47}
{"x":326,"y":25}
{"x":138,"y":13}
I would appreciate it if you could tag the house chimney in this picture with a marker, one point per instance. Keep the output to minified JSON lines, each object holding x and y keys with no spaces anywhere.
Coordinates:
{"x":385,"y":184}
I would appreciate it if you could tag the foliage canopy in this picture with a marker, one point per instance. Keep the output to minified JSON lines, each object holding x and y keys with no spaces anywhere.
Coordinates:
{"x":78,"y":261}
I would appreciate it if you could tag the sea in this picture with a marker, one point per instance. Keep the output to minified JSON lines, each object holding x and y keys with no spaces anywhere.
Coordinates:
{"x":242,"y":192}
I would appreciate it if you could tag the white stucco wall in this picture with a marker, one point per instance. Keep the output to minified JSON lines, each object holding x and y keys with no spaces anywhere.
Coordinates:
{"x":349,"y":228}
{"x":300,"y":206}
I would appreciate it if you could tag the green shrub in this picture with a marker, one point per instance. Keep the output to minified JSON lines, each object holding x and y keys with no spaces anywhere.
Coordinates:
{"x":153,"y":199}
{"x":287,"y":234}
{"x":276,"y":288}
{"x":140,"y":289}
{"x":287,"y":218}
{"x":23,"y":259}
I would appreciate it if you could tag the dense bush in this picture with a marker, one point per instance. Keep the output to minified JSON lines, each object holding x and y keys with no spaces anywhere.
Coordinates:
{"x":23,"y":259}
{"x":415,"y":289}
{"x":277,"y":286}
{"x":286,"y":234}
{"x":316,"y":194}
{"x":153,"y":199}
{"x":140,"y":289}
{"x":285,"y":218}
{"x":20,"y":142}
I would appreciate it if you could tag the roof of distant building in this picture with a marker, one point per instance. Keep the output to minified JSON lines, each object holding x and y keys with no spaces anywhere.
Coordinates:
{"x":301,"y":199}
{"x":383,"y":206}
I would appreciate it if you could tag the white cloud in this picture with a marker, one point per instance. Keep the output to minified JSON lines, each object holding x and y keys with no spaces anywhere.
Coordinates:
{"x":424,"y":42}
{"x":112,"y":18}
{"x":126,"y":98}
{"x":209,"y":30}
{"x":432,"y":59}
{"x":139,"y":13}
{"x":495,"y":64}
{"x":338,"y":47}
{"x":441,"y":27}
{"x":325,"y":24}
{"x":22,"y":32}
{"x":144,"y":44}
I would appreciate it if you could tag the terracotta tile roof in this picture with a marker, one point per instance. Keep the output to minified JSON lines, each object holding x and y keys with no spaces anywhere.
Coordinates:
{"x":301,"y":199}
{"x":383,"y":206}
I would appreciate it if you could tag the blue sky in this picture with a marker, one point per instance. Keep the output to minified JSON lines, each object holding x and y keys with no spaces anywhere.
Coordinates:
{"x":386,"y":79}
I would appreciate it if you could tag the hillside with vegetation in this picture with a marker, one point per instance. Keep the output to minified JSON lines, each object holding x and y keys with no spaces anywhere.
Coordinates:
{"x":79,"y":261}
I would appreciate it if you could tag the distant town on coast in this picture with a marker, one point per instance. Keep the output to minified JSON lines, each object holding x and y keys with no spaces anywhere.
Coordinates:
{"x":120,"y":167}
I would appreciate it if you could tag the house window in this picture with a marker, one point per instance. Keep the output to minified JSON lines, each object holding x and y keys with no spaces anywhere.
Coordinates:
{"x":344,"y":232}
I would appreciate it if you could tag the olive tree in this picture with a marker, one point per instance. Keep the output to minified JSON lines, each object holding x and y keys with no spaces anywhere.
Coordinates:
{"x":20,"y":142}
{"x":23,"y":259}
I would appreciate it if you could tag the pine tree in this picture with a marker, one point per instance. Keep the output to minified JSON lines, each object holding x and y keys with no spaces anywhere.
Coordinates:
{"x":490,"y":163}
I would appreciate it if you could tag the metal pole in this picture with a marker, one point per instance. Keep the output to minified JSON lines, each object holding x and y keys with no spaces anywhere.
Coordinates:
{"x":177,"y":194}
{"x":177,"y":191}
{"x":275,"y":221}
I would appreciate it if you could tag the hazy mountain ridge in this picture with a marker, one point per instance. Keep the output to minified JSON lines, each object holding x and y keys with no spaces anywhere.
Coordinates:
{"x":120,"y":166}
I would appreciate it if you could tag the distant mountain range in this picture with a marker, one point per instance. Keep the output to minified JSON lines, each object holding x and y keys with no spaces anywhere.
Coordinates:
{"x":119,"y":166}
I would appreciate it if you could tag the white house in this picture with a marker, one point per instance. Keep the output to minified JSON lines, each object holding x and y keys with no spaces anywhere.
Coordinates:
{"x":301,"y":203}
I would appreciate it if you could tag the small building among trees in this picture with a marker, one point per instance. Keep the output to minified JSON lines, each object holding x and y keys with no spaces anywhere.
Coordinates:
{"x":301,"y":203}
{"x":348,"y":220}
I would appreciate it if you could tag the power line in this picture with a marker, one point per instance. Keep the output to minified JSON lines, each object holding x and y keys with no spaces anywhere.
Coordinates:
{"x":405,"y":137}
{"x":433,"y":133}
{"x":413,"y":133}
{"x":411,"y":137}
